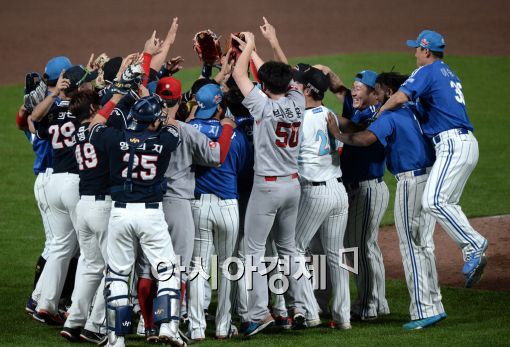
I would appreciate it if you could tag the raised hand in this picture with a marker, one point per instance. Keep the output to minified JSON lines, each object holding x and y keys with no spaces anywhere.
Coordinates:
{"x":153,"y":45}
{"x":90,"y":64}
{"x":174,"y":65}
{"x":62,"y":84}
{"x":172,"y":33}
{"x":249,"y":38}
{"x":268,"y":30}
{"x":333,"y":126}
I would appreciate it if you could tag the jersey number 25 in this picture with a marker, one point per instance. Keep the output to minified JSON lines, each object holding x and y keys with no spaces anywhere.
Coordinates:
{"x":148,"y":168}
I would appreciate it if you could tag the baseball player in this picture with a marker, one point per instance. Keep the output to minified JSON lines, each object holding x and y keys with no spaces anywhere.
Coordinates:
{"x":93,"y":212}
{"x":215,"y":212}
{"x":62,"y":186}
{"x":323,"y":206}
{"x":438,"y":94}
{"x":363,"y":171}
{"x":277,"y":111}
{"x":409,"y":157}
{"x":138,"y":159}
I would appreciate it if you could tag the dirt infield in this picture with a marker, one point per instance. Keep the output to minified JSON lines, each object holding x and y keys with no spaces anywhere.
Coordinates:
{"x":449,"y":257}
{"x":34,"y":31}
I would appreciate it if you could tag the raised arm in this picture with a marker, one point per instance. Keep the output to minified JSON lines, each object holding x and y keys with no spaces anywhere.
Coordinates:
{"x":336,"y":85}
{"x":240,"y":72}
{"x":396,"y":100}
{"x":41,"y":109}
{"x":269,"y":32}
{"x":159,"y":58}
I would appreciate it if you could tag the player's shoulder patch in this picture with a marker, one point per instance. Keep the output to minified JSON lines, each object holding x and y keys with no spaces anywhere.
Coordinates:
{"x":317,"y":110}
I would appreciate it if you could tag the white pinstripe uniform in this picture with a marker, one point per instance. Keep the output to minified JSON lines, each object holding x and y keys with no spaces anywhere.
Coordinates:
{"x":322,"y":208}
{"x":409,"y":157}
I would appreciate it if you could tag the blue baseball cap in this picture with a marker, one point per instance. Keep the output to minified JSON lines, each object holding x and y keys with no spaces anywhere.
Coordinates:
{"x":428,"y":39}
{"x":367,"y":77}
{"x":55,"y":66}
{"x":208,"y":97}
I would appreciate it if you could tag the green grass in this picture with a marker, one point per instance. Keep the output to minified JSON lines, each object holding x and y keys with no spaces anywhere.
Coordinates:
{"x":476,"y":317}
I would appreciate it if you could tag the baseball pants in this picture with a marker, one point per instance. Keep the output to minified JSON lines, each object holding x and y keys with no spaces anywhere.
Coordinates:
{"x":216,"y":223}
{"x":92,"y":226}
{"x":139,"y":223}
{"x":41,"y":196}
{"x":271,"y":202}
{"x":63,"y":196}
{"x":368,"y":201}
{"x":415,"y":229}
{"x":324,"y":209}
{"x":456,"y":158}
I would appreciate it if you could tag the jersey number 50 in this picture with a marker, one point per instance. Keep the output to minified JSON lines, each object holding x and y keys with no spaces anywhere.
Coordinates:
{"x":287,"y":134}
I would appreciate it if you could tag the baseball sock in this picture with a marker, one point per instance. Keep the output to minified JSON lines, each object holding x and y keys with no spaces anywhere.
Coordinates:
{"x":67,"y":291}
{"x":147,"y":290}
{"x":39,"y":266}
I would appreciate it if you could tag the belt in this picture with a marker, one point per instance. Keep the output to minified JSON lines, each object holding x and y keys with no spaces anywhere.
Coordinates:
{"x":153,"y":205}
{"x":436,"y":139}
{"x":357,"y":184}
{"x":412,"y":173}
{"x":275,"y":178}
{"x":97,"y":197}
{"x":323,"y":183}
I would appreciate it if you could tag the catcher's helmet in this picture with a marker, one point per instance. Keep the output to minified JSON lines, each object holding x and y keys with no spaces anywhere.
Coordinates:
{"x":145,"y":111}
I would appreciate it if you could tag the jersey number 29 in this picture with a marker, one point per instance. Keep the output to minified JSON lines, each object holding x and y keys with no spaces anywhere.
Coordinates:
{"x":287,"y":134}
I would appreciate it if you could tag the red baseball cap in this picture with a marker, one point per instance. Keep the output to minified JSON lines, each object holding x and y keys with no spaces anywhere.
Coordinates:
{"x":169,"y":88}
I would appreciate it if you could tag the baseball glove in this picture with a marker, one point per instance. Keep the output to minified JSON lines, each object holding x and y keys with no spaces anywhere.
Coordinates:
{"x":234,"y":45}
{"x":130,"y":80}
{"x":99,"y":64}
{"x":35,"y":90}
{"x":207,"y":45}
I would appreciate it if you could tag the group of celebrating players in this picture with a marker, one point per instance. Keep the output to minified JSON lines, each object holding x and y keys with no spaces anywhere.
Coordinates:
{"x":140,"y":183}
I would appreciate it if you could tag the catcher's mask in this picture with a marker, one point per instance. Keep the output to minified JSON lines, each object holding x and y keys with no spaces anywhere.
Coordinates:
{"x":145,"y":111}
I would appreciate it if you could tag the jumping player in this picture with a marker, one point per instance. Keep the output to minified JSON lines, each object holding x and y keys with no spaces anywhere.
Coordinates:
{"x":438,"y":94}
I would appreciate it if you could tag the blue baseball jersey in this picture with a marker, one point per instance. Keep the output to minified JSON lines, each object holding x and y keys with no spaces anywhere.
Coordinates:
{"x":406,"y":147}
{"x":59,"y":127}
{"x":152,"y":151}
{"x":361,"y":163}
{"x":43,"y":152}
{"x":222,"y":181}
{"x":92,"y":163}
{"x":437,"y":92}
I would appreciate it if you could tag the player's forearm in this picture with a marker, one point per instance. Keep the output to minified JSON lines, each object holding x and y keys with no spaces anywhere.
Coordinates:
{"x":396,"y":100}
{"x":278,"y":51}
{"x":104,"y":113}
{"x":240,"y":73}
{"x":43,"y":107}
{"x":359,"y":139}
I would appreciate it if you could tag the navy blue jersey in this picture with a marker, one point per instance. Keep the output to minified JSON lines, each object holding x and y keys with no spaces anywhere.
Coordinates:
{"x":400,"y":133}
{"x":222,"y":181}
{"x":59,"y":129}
{"x":245,"y":179}
{"x":361,"y":163}
{"x":150,"y":161}
{"x":43,"y":152}
{"x":92,"y":163}
{"x":438,"y":94}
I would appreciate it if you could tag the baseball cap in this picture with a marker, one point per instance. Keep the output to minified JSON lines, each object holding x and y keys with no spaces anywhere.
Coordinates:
{"x":169,"y":88}
{"x":55,"y":66}
{"x":314,"y":79}
{"x":429,"y":39}
{"x":299,"y":70}
{"x":208,"y":97}
{"x":367,"y":77}
{"x":110,"y":69}
{"x":77,"y":75}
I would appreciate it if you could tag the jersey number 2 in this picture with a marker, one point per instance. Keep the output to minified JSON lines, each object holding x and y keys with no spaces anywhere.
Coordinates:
{"x":287,"y":134}
{"x":148,"y":166}
{"x":324,"y":147}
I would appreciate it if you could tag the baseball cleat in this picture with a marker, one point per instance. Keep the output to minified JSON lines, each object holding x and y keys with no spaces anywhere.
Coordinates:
{"x":282,"y":322}
{"x":474,"y":264}
{"x":252,"y":328}
{"x":423,"y":323}
{"x":356,"y":317}
{"x":232,"y":332}
{"x":166,"y":336}
{"x":92,"y":337}
{"x":151,"y":335}
{"x":140,"y":328}
{"x":340,"y":326}
{"x":312,"y":323}
{"x":115,"y":341}
{"x":31,"y":306}
{"x":71,"y":334}
{"x":44,"y":316}
{"x":298,"y":321}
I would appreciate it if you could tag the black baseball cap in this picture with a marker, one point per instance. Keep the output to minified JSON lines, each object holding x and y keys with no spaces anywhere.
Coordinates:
{"x":314,"y":79}
{"x":299,"y":70}
{"x":110,"y":69}
{"x":77,"y":75}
